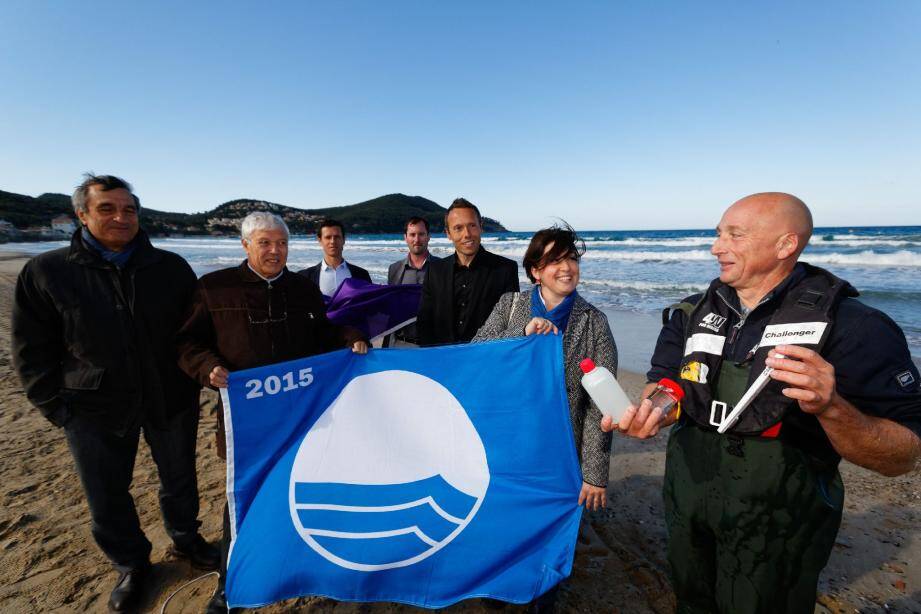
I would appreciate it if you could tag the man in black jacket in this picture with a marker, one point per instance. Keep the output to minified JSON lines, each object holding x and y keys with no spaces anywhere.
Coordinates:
{"x":93,"y":332}
{"x":459,"y":292}
{"x":332,"y":270}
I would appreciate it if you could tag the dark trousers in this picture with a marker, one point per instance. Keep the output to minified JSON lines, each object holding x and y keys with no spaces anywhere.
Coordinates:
{"x":751,"y":522}
{"x":105,"y":464}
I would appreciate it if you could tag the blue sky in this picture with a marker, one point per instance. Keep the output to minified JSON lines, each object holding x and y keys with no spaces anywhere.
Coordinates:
{"x":608,"y":114}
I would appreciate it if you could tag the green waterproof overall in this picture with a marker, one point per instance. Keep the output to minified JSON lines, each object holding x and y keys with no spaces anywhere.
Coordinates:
{"x":751,"y":520}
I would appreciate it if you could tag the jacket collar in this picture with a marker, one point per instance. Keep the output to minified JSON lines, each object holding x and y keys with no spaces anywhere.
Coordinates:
{"x":247,"y":275}
{"x":728,"y":294}
{"x":480,"y":259}
{"x":326,"y":267}
{"x":580,"y":305}
{"x":408,"y":264}
{"x":144,"y":253}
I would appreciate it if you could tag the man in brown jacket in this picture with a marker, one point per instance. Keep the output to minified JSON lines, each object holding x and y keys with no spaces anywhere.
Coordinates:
{"x":255,"y":314}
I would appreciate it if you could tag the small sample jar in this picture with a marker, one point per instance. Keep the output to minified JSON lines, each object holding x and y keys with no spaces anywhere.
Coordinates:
{"x":667,"y":396}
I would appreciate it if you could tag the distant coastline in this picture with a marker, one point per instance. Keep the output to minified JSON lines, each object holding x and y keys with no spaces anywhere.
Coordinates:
{"x":50,"y":217}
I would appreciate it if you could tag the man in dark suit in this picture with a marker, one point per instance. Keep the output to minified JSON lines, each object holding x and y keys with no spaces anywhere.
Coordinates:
{"x":460,"y":291}
{"x":332,"y":270}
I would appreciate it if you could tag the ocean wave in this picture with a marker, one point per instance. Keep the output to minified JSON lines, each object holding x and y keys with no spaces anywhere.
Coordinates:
{"x":591,"y":243}
{"x":650,"y":256}
{"x":907,"y":296}
{"x":643,"y":286}
{"x":869,"y":237}
{"x":902,"y":258}
{"x":851,"y":241}
{"x":625,"y":255}
{"x":676,"y":242}
{"x":196,"y":242}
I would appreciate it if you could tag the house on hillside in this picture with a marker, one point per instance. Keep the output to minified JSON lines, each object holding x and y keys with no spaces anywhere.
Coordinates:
{"x":7,"y":231}
{"x":63,"y":224}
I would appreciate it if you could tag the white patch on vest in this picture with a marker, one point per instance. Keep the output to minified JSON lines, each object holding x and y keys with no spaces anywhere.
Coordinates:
{"x":712,"y":321}
{"x":802,"y":333}
{"x":905,"y":379}
{"x":705,"y":342}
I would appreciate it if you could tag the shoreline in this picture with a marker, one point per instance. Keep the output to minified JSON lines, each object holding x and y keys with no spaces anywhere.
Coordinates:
{"x":634,"y":314}
{"x":48,"y":559}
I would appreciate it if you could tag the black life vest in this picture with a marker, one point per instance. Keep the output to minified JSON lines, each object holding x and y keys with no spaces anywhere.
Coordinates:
{"x":805,"y":317}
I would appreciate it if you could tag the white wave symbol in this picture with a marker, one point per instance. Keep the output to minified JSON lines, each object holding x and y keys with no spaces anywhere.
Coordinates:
{"x":369,"y":527}
{"x":379,"y":483}
{"x":333,"y":510}
{"x":414,"y":529}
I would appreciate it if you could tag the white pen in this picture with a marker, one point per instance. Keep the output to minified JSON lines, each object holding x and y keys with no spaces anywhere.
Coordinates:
{"x":750,"y":394}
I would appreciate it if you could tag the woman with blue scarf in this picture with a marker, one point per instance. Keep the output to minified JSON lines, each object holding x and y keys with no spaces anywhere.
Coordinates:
{"x":554,"y":306}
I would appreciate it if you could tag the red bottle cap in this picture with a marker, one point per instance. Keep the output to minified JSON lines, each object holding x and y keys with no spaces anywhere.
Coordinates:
{"x":673,"y":387}
{"x":587,"y":365}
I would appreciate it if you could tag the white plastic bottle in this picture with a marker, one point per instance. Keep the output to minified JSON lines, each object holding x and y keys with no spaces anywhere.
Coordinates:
{"x":604,"y":390}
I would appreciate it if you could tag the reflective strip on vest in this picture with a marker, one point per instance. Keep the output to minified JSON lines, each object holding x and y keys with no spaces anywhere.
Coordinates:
{"x":705,"y":342}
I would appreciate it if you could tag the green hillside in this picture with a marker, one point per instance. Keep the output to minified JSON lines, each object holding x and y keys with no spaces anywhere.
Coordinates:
{"x":31,"y":216}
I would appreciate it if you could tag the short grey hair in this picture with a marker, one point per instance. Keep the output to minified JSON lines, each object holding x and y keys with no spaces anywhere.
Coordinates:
{"x":261,"y":220}
{"x":107,"y":182}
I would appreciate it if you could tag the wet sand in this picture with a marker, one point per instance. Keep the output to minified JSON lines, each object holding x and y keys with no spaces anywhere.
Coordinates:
{"x":49,"y":562}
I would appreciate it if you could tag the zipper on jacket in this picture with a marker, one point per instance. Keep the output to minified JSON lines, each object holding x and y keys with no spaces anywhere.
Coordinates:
{"x":742,"y":316}
{"x":269,"y":317}
{"x":115,"y":276}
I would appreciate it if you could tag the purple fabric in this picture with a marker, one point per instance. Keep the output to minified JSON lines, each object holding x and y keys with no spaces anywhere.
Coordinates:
{"x":371,"y":308}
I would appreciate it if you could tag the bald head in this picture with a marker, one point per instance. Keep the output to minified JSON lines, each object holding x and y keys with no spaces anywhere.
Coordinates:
{"x":758,"y":241}
{"x":780,"y":212}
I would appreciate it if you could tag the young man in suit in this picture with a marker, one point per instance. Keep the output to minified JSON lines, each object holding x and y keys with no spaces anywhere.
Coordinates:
{"x":332,"y":270}
{"x":460,"y":291}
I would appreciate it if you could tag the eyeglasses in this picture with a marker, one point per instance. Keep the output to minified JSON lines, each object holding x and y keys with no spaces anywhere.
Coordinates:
{"x":271,"y":317}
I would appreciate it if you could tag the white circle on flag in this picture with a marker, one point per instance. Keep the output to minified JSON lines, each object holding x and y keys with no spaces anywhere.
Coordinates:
{"x":391,"y":472}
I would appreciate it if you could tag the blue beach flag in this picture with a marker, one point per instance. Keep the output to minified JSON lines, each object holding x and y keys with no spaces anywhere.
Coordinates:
{"x":421,"y":476}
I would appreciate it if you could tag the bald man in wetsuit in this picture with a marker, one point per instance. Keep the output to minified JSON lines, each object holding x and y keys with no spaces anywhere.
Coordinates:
{"x":752,"y":514}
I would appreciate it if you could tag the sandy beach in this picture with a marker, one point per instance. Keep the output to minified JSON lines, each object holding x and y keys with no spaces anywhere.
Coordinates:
{"x":49,"y":562}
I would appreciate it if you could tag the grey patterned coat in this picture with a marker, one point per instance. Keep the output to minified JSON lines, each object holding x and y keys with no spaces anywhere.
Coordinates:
{"x":587,"y":336}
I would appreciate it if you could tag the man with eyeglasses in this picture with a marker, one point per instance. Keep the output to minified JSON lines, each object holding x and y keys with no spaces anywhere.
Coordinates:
{"x":251,"y":315}
{"x":93,"y":332}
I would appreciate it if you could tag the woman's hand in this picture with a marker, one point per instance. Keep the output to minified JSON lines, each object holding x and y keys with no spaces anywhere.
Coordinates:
{"x":593,"y":497}
{"x":360,"y":347}
{"x":540,"y":326}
